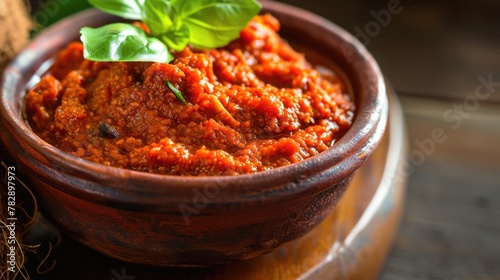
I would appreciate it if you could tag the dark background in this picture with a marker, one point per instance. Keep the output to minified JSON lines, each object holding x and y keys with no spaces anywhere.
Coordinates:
{"x":433,"y":48}
{"x":433,"y":53}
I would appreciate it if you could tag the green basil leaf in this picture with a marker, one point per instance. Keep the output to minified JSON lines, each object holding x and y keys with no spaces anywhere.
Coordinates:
{"x":177,"y":39}
{"x":122,"y":42}
{"x":163,"y":23}
{"x":158,"y":16}
{"x":172,"y":24}
{"x":176,"y":92}
{"x":127,"y":9}
{"x":215,"y":23}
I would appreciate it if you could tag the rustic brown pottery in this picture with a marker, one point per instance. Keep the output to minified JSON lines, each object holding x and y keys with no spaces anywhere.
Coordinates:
{"x":191,"y":221}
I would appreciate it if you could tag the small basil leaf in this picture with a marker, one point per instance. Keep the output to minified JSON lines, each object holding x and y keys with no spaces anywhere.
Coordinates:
{"x":215,"y":23}
{"x":122,"y":42}
{"x":157,"y":16}
{"x":127,"y":9}
{"x":176,"y":92}
{"x":177,"y":39}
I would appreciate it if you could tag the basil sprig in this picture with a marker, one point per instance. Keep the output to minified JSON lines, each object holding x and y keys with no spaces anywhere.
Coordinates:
{"x":173,"y":24}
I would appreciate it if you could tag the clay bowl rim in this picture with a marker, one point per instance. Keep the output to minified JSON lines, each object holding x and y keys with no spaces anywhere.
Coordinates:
{"x":128,"y":187}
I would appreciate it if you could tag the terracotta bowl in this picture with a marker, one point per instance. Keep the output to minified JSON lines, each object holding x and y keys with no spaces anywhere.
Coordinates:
{"x":193,"y":221}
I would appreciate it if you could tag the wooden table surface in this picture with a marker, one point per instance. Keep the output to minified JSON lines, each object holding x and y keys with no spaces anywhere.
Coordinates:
{"x":451,"y":224}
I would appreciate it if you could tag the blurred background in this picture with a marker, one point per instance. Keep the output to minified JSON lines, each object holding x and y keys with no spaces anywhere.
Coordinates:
{"x":443,"y":59}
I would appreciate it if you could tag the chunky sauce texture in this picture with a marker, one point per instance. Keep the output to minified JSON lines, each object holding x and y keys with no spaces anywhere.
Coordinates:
{"x":254,"y":105}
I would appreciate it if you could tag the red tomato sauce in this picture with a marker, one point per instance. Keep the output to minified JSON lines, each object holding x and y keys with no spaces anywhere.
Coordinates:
{"x":254,"y":105}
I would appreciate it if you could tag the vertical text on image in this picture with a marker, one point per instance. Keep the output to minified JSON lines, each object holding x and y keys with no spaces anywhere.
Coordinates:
{"x":11,"y":218}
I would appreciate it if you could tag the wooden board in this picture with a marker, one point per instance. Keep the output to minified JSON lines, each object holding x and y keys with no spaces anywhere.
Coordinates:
{"x":352,"y":243}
